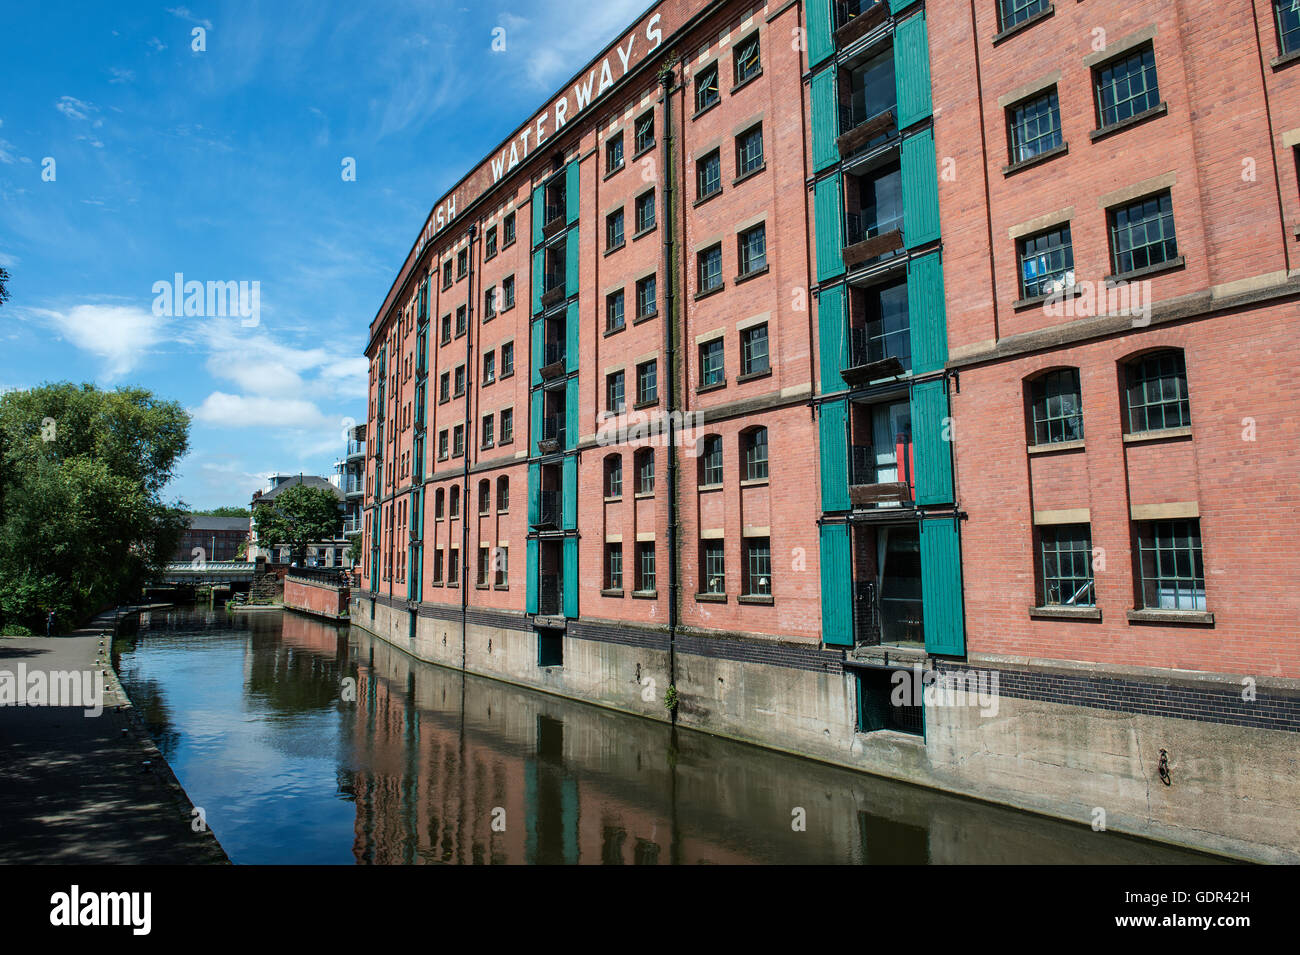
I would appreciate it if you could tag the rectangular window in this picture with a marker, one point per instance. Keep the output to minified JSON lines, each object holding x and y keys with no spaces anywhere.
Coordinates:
{"x":444,"y":386}
{"x":437,"y":566}
{"x":1046,"y":263}
{"x":1157,"y":393}
{"x":645,"y":212}
{"x":490,"y":303}
{"x":645,"y":132}
{"x":1066,"y":554}
{"x":706,"y":88}
{"x":1173,"y":573}
{"x":614,"y":476}
{"x":453,"y":566}
{"x":645,"y":566}
{"x":647,"y":382}
{"x":442,"y":445}
{"x":711,"y":370}
{"x":1126,"y":87}
{"x":462,"y":263}
{"x":483,"y":565}
{"x":1011,"y":12}
{"x":748,"y":63}
{"x":507,"y":359}
{"x":446,"y":329}
{"x":614,"y":311}
{"x":507,"y":425}
{"x":614,"y":392}
{"x":490,"y":243}
{"x":749,"y":150}
{"x":1058,"y":407}
{"x":710,"y":268}
{"x":460,"y":380}
{"x":507,"y":292}
{"x":708,"y":175}
{"x":753,"y":350}
{"x":488,"y":437}
{"x":645,"y":471}
{"x":1142,"y":234}
{"x":614,"y":230}
{"x":645,"y":297}
{"x":613,"y":566}
{"x":1288,"y":25}
{"x":758,"y":567}
{"x":1035,"y":126}
{"x":462,"y":319}
{"x":713,"y":565}
{"x":508,"y":231}
{"x":503,"y":565}
{"x":752,"y":244}
{"x":446,"y":274}
{"x":489,"y":367}
{"x":755,"y":443}
{"x":458,"y":441}
{"x":614,"y":154}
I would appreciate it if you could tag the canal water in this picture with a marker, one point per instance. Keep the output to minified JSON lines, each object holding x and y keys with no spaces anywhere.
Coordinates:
{"x":305,"y":742}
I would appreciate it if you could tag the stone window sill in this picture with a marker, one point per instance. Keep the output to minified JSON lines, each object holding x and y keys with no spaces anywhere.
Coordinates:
{"x":1160,"y":109}
{"x":614,"y":331}
{"x":1065,"y":613}
{"x":1024,"y":24}
{"x":707,"y":488}
{"x":644,"y":495}
{"x":762,"y":167}
{"x":705,"y":389}
{"x":645,"y":595}
{"x":1015,"y":167}
{"x":644,"y":318}
{"x":617,"y":169}
{"x":755,"y":482}
{"x":760,"y":599}
{"x":754,"y":375}
{"x":643,"y":150}
{"x":704,"y":109}
{"x":703,"y":199}
{"x":713,"y":291}
{"x":610,"y":592}
{"x":1171,"y":616}
{"x":750,"y":275}
{"x":1055,"y":446}
{"x":1284,"y":59}
{"x":1072,"y":292}
{"x":1170,"y":266}
{"x":645,"y":404}
{"x":614,"y":248}
{"x":1141,"y":437}
{"x":745,"y":82}
{"x":500,"y":586}
{"x":644,"y":232}
{"x":711,"y":598}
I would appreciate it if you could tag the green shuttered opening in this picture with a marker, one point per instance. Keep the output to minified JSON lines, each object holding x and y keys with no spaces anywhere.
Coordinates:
{"x":536,"y":435}
{"x":539,"y":210}
{"x":912,"y":70}
{"x":926,"y":313}
{"x":832,"y":334}
{"x":539,"y":264}
{"x":569,"y":474}
{"x":570,"y":576}
{"x":825,"y":119}
{"x":539,"y":331}
{"x":828,"y":206}
{"x":920,"y":189}
{"x":534,"y":491}
{"x":571,"y":263}
{"x":571,"y":328}
{"x":837,"y":583}
{"x":833,"y":441}
{"x":571,"y":193}
{"x":530,"y":589}
{"x":941,"y":598}
{"x":571,"y":414}
{"x":932,"y":442}
{"x":817,"y":21}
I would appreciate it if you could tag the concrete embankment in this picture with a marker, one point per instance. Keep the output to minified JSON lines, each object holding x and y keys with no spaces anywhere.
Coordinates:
{"x":88,"y":789}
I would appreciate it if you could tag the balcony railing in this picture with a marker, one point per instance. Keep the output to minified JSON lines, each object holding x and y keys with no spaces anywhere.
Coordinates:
{"x":868,"y":351}
{"x":866,"y":614}
{"x":553,"y":352}
{"x":867,"y":490}
{"x":553,"y":429}
{"x":855,"y":18}
{"x":554,"y":209}
{"x":550,"y":509}
{"x":550,"y":595}
{"x":858,"y":227}
{"x":849,"y":10}
{"x":356,"y":449}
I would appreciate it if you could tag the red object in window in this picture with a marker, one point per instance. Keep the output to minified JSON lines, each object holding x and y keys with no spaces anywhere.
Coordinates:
{"x":906,"y":469}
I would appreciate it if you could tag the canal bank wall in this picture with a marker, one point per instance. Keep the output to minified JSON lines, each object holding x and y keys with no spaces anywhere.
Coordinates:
{"x":1183,"y":760}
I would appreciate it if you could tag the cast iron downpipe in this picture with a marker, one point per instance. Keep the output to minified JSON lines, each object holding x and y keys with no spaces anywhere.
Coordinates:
{"x":469,"y":443}
{"x":666,"y":78}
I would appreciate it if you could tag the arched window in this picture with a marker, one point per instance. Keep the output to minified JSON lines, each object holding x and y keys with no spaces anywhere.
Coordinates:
{"x":711,"y":461}
{"x":439,"y":502}
{"x":503,"y":494}
{"x":453,"y":501}
{"x":1056,"y":407}
{"x":1156,"y":392}
{"x":753,"y":450}
{"x":645,"y":471}
{"x":484,"y":496}
{"x":614,"y":475}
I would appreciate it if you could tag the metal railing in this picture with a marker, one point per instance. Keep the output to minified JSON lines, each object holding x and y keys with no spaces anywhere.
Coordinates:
{"x":862,"y":464}
{"x":332,"y":576}
{"x":356,"y":449}
{"x":866,"y":614}
{"x":846,"y":10}
{"x":858,"y":227}
{"x":550,"y":508}
{"x":554,"y":351}
{"x":552,"y":281}
{"x":550,"y":595}
{"x":553,"y":428}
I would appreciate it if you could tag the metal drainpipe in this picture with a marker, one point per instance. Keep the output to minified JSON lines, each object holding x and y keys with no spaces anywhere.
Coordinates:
{"x":666,"y":78}
{"x":464,"y":491}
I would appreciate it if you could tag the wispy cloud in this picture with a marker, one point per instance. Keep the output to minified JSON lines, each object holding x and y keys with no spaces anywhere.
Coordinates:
{"x":183,"y":13}
{"x":551,"y":45}
{"x":120,"y":75}
{"x":120,"y":335}
{"x":74,"y":108}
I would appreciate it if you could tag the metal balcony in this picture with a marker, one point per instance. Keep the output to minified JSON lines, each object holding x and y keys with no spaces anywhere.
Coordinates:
{"x":553,"y":433}
{"x":550,"y":509}
{"x":552,"y":288}
{"x":550,"y":595}
{"x":869,"y":360}
{"x":865,"y":490}
{"x":554,"y":354}
{"x":855,"y":18}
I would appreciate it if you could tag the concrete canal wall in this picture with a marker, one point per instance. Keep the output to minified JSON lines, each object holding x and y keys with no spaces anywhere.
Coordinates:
{"x":1184,"y":761}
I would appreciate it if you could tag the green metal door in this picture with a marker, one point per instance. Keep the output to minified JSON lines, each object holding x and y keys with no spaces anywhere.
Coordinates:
{"x":569,"y":476}
{"x":539,"y":212}
{"x":926,"y":313}
{"x":539,"y":267}
{"x":833,"y":443}
{"x":932,"y":442}
{"x":920,"y":189}
{"x":571,"y":194}
{"x":530,"y":586}
{"x":837,"y":586}
{"x":817,"y":21}
{"x":832,"y":334}
{"x":571,"y":329}
{"x":570,"y":576}
{"x":571,"y":413}
{"x":828,"y":212}
{"x":571,"y":263}
{"x":941,"y":589}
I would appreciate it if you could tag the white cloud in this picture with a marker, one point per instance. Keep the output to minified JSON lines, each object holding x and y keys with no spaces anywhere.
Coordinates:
{"x":74,"y":108}
{"x":157,"y":44}
{"x":224,"y":410}
{"x":120,"y":335}
{"x":183,"y":13}
{"x":554,"y":43}
{"x":121,"y":75}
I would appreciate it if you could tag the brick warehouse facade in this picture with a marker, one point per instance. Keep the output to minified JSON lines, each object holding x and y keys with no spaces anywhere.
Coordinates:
{"x":876,"y":456}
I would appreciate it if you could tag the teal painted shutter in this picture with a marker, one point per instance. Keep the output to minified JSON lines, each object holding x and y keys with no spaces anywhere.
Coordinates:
{"x":832,"y":332}
{"x":537,"y":421}
{"x":571,"y":263}
{"x":569,"y":474}
{"x":534,"y":491}
{"x":571,"y":194}
{"x":912,"y":70}
{"x":941,"y":597}
{"x":539,"y":350}
{"x":571,"y":413}
{"x":828,"y":205}
{"x":539,"y":212}
{"x":571,"y":329}
{"x":570,"y":576}
{"x":539,"y":265}
{"x":530,"y":587}
{"x":925,"y":308}
{"x":825,"y":119}
{"x":817,"y":20}
{"x":833,"y":435}
{"x":931,"y":443}
{"x":896,"y":5}
{"x":837,"y":586}
{"x":920,"y":189}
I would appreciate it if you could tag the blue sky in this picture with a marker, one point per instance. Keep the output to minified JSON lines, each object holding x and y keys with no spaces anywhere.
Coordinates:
{"x":225,"y":165}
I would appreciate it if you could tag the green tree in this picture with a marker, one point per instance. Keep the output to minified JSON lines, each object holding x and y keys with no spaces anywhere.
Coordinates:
{"x":82,"y":521}
{"x":297,"y":516}
{"x":223,"y":512}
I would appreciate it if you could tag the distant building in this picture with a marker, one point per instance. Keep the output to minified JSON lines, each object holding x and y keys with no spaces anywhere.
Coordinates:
{"x":325,"y":553}
{"x":350,"y":477}
{"x":213,"y":538}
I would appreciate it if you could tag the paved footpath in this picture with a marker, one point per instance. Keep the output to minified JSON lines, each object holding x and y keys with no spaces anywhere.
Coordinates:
{"x":75,"y":789}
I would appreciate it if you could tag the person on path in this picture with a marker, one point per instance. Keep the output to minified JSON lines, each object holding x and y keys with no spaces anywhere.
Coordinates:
{"x":49,"y":624}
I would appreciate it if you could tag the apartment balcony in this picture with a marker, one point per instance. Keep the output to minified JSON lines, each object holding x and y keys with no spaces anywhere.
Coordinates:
{"x":356,"y":449}
{"x":867,"y":490}
{"x":550,"y":510}
{"x":854,"y":19}
{"x":869,"y":360}
{"x":552,"y":288}
{"x":553,"y":358}
{"x":553,"y":216}
{"x":867,"y":239}
{"x":553,"y":434}
{"x":550,"y":595}
{"x":861,"y":124}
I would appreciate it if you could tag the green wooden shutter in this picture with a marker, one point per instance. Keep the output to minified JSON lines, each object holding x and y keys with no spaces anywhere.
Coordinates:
{"x":530,"y":586}
{"x":817,"y":21}
{"x":571,"y":263}
{"x":837,"y":586}
{"x":828,"y":207}
{"x":571,"y":194}
{"x":825,"y":119}
{"x":931,"y":442}
{"x":539,"y":267}
{"x":896,"y":5}
{"x":569,"y":476}
{"x":536,"y":436}
{"x":534,"y":491}
{"x":920,"y":189}
{"x":539,"y":213}
{"x":912,"y":70}
{"x":833,"y":435}
{"x":832,"y":333}
{"x":941,"y":595}
{"x":539,"y":350}
{"x":571,"y":413}
{"x":570,"y":576}
{"x":571,"y":329}
{"x":926,"y":315}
